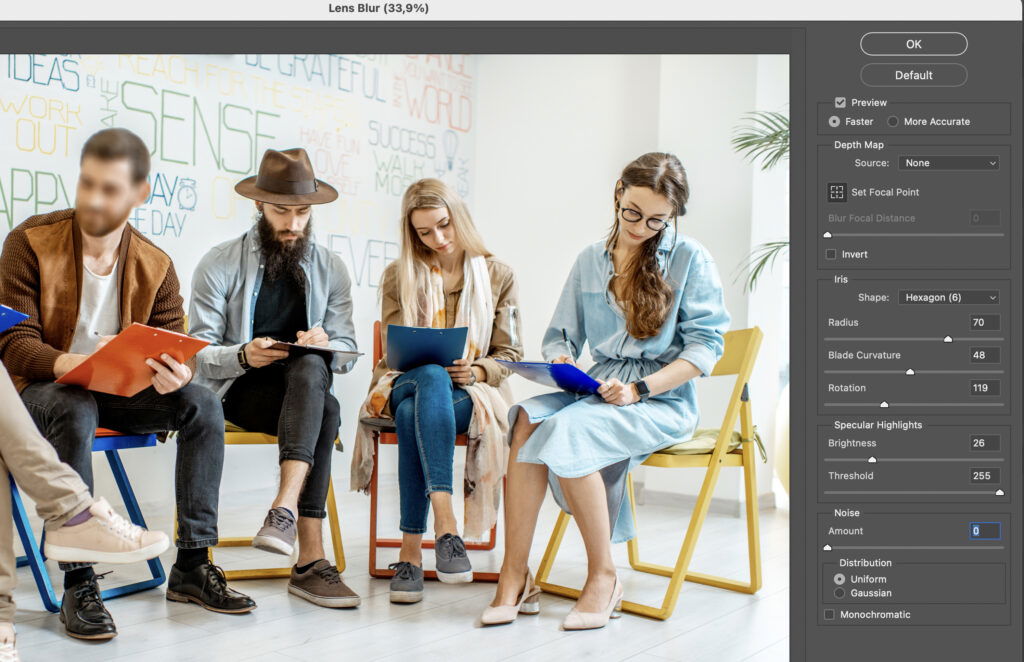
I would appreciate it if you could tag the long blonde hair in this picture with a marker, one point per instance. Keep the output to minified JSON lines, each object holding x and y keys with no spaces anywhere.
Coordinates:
{"x":416,"y":259}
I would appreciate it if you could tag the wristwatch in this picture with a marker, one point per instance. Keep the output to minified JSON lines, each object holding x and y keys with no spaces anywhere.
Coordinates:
{"x":241,"y":359}
{"x":642,"y":390}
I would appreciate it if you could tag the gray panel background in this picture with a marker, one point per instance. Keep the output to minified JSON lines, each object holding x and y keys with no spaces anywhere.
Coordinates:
{"x":824,"y":53}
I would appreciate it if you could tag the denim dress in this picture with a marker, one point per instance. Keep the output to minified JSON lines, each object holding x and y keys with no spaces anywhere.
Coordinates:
{"x":579,"y":435}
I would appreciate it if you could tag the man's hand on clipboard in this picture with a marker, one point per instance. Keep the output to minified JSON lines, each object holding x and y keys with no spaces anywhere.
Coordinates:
{"x":260,"y":353}
{"x":170,"y":375}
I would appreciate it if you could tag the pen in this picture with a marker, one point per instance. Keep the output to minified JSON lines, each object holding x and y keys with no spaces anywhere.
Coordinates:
{"x":568,"y":345}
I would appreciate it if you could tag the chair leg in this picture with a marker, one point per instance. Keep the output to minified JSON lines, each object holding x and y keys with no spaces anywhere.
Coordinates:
{"x":33,"y":555}
{"x":374,"y":570}
{"x":633,"y":544}
{"x":131,"y":503}
{"x":753,"y":516}
{"x":548,"y":560}
{"x":332,"y":520}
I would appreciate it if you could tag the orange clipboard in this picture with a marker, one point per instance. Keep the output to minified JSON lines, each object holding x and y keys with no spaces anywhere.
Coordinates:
{"x":119,"y":367}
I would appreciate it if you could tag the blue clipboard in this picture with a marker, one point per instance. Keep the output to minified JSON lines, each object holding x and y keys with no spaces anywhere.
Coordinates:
{"x":412,"y":346}
{"x":9,"y":317}
{"x":559,"y":375}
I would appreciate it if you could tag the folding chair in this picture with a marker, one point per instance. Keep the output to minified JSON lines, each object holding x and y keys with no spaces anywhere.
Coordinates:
{"x":109,"y":442}
{"x":741,"y":349}
{"x":386,"y":436}
{"x":236,"y":436}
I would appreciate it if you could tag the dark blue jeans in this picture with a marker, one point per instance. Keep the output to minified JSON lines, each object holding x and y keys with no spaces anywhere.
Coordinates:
{"x":69,"y":415}
{"x":292,"y":400}
{"x":429,"y":410}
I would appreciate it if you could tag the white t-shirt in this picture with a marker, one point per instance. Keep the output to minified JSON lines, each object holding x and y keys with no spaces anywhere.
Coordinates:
{"x":98,"y":313}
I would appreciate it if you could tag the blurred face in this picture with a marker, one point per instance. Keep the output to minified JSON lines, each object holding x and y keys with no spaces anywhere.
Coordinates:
{"x":642,"y":202}
{"x":287,"y":221}
{"x":106,"y":195}
{"x":434,"y":228}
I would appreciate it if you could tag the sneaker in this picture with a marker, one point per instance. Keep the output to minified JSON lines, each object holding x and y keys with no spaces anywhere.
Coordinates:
{"x":407,"y":584}
{"x":8,"y":653}
{"x":278,"y":532}
{"x":322,"y":585}
{"x":451,"y":560}
{"x":106,"y":537}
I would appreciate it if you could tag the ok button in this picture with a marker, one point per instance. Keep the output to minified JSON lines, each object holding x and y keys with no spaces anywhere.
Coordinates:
{"x":913,"y":43}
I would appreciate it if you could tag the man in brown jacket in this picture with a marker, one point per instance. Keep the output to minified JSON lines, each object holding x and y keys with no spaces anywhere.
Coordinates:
{"x":82,"y":275}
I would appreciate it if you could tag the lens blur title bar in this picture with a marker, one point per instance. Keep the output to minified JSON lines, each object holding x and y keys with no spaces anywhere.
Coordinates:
{"x":511,"y":10}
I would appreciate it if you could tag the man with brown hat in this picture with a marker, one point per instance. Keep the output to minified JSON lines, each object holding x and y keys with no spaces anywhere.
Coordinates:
{"x":274,"y":283}
{"x":82,"y":275}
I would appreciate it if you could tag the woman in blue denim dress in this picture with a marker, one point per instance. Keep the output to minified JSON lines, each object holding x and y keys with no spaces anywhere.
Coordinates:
{"x":649,"y":304}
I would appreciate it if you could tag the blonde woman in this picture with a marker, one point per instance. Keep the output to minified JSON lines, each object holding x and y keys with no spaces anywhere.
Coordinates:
{"x":650,"y":306}
{"x":445,"y":277}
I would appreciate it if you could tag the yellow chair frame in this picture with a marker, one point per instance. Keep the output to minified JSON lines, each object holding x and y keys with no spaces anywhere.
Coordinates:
{"x":236,"y":436}
{"x":741,"y":349}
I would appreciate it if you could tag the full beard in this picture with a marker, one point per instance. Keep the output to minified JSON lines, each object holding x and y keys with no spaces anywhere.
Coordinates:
{"x":282,"y":257}
{"x":97,"y":224}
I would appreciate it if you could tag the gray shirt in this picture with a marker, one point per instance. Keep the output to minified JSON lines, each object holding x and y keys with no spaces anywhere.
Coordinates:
{"x":224,"y":290}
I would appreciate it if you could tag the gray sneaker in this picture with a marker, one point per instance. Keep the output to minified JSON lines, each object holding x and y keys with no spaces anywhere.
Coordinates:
{"x":407,"y":584}
{"x":451,"y":560}
{"x":278,"y":532}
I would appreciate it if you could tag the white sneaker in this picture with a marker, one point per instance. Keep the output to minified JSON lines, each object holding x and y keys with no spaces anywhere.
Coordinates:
{"x":8,"y":653}
{"x":106,"y":537}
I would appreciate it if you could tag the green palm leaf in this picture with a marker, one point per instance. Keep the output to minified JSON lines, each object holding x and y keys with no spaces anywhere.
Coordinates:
{"x":761,"y":258}
{"x":764,"y":136}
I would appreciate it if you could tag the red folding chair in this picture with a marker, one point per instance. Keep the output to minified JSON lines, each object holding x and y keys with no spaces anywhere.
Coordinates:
{"x":387,"y":437}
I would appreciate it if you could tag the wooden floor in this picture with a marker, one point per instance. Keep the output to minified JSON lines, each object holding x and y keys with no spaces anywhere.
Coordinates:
{"x":708,"y":625}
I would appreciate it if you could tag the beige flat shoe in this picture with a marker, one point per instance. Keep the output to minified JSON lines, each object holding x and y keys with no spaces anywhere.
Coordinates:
{"x":529,"y":603}
{"x":591,"y":620}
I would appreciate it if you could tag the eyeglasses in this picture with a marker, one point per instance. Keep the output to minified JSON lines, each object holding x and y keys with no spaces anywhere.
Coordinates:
{"x":633,"y":216}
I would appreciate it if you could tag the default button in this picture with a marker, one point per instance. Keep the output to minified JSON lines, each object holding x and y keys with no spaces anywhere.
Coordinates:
{"x":916,"y":74}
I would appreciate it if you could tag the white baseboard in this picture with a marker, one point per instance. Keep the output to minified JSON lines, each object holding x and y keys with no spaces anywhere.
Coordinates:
{"x":719,"y":505}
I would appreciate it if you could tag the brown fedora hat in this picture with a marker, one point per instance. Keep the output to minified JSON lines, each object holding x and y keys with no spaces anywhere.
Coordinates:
{"x":286,"y":178}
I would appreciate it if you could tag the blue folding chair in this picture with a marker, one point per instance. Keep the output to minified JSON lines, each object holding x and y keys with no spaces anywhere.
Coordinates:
{"x":109,"y":442}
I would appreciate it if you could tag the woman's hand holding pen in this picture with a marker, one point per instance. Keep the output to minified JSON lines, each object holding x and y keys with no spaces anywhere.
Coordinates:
{"x":617,"y":393}
{"x":564,"y":359}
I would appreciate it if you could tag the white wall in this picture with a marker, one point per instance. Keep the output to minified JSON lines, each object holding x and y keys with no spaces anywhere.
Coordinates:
{"x":553,"y":132}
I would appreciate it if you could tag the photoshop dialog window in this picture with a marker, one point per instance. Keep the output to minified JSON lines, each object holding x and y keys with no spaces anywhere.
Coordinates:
{"x":439,"y":329}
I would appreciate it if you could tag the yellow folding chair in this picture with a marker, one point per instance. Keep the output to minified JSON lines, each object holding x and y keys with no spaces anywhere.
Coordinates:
{"x":236,"y":436}
{"x":741,"y":349}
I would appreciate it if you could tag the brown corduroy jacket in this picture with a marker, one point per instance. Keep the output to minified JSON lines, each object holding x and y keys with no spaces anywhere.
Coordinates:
{"x":41,"y":275}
